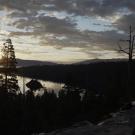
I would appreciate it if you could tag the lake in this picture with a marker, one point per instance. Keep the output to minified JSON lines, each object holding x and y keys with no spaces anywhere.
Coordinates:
{"x":49,"y":85}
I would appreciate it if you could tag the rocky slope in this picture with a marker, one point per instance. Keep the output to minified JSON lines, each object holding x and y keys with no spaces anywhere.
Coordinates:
{"x":121,"y":123}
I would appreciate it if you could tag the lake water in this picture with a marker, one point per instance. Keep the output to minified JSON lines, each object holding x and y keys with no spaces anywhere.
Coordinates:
{"x":49,"y":85}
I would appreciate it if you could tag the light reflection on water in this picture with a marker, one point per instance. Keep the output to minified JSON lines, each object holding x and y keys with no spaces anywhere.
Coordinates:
{"x":47,"y":84}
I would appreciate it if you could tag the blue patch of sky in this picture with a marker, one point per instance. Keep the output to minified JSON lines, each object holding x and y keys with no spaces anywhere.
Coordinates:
{"x":48,"y":5}
{"x":93,"y":24}
{"x":124,"y":11}
{"x":3,"y":13}
{"x":83,"y":22}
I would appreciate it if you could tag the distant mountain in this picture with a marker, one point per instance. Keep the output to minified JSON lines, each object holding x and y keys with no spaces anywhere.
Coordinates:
{"x":90,"y":61}
{"x":27,"y":63}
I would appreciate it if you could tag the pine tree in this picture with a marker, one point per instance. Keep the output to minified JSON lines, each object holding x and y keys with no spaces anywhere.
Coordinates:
{"x":10,"y":82}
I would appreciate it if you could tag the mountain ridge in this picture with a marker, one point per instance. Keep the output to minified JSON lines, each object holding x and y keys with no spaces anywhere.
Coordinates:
{"x":27,"y":63}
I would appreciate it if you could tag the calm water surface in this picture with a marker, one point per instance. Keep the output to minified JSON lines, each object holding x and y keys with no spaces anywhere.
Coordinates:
{"x":47,"y":84}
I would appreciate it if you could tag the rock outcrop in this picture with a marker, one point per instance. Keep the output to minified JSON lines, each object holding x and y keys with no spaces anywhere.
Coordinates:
{"x":121,"y":123}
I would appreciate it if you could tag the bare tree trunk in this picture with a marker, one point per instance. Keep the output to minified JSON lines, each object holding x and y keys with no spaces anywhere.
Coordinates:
{"x":129,"y":52}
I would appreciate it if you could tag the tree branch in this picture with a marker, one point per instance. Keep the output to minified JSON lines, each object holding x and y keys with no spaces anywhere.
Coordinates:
{"x":122,"y":50}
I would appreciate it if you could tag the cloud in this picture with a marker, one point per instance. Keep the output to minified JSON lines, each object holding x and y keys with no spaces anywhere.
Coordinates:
{"x":76,"y":7}
{"x":31,"y":18}
{"x":46,"y":24}
{"x":125,"y":21}
{"x":92,"y":7}
{"x":87,"y":40}
{"x":61,"y":33}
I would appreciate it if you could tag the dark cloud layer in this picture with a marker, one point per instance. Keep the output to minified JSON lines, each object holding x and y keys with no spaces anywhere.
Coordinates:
{"x":125,"y":21}
{"x":78,"y":7}
{"x":64,"y":32}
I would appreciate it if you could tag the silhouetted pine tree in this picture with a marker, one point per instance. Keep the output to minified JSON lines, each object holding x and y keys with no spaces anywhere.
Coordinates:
{"x":10,"y":82}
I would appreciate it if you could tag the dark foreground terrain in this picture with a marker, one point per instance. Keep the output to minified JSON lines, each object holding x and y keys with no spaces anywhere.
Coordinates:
{"x":91,"y":92}
{"x":121,"y":123}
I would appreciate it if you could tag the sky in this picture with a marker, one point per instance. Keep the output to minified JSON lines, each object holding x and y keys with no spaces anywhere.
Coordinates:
{"x":66,"y":31}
